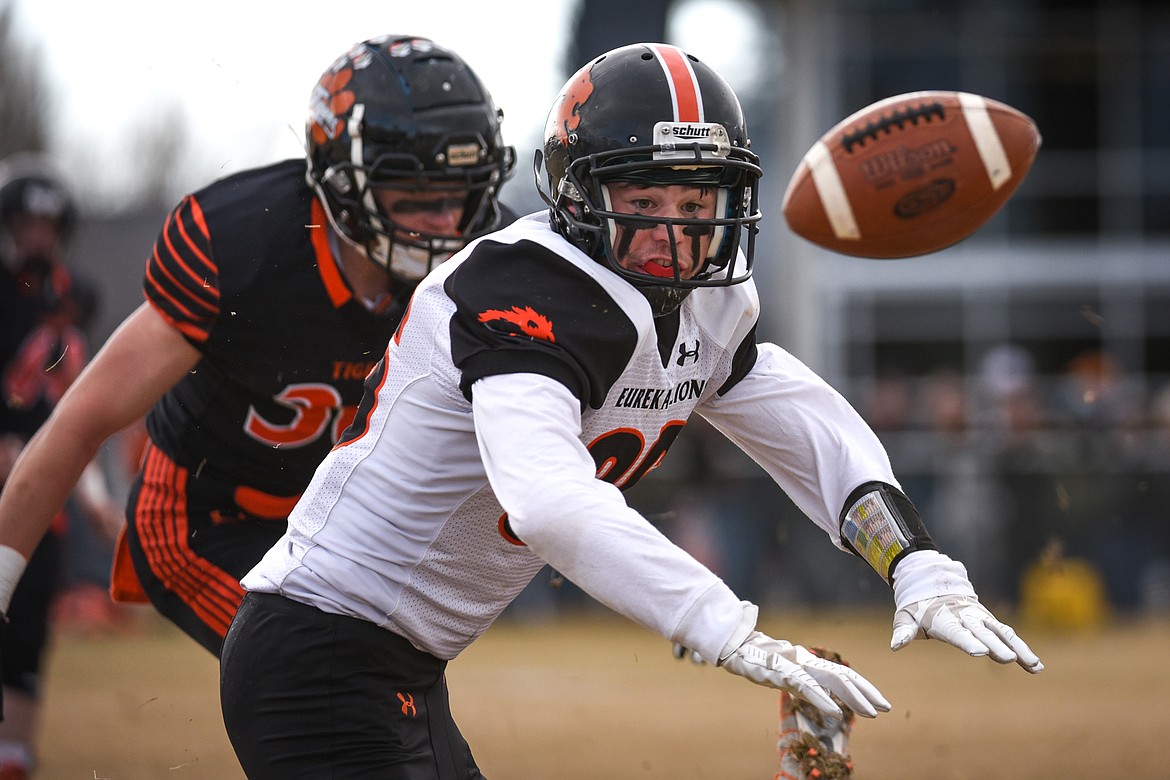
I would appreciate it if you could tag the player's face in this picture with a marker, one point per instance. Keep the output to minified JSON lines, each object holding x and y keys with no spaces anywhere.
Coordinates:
{"x":35,"y":236}
{"x":646,"y":249}
{"x":431,"y":212}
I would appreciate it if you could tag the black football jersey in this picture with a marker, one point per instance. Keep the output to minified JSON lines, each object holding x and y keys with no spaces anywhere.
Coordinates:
{"x":244,"y":271}
{"x":41,"y":349}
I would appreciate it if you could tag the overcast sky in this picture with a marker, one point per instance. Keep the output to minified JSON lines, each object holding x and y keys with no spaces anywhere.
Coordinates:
{"x":240,"y":71}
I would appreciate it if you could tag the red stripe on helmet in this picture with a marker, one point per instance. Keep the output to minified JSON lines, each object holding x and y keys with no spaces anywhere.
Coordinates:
{"x":684,"y":87}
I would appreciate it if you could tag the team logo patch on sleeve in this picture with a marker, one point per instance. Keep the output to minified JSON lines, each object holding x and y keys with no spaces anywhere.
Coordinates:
{"x":520,"y":322}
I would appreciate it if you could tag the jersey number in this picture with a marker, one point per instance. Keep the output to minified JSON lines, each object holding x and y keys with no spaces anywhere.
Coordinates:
{"x":313,"y":405}
{"x":622,"y":459}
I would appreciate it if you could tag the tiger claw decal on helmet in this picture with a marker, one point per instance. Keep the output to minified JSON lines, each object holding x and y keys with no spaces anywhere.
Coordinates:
{"x":654,"y":115}
{"x":404,"y":113}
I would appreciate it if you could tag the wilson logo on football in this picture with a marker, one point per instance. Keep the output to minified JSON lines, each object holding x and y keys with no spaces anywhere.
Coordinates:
{"x":520,"y":322}
{"x":909,"y":163}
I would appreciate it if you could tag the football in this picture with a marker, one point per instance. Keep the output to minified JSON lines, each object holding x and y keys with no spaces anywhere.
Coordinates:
{"x":910,"y":174}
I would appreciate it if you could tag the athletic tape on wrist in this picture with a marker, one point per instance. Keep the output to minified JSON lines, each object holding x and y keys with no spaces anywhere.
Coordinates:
{"x":12,"y":566}
{"x":880,"y":524}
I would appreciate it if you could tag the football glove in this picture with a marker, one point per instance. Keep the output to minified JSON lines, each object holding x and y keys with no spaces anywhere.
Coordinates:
{"x":684,"y":653}
{"x":778,"y":664}
{"x":934,"y":599}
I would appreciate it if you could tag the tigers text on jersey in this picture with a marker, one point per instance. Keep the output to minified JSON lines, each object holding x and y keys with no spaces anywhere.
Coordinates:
{"x":429,"y":519}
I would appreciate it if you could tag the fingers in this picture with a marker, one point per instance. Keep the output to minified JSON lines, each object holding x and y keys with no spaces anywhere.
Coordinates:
{"x":870,"y":692}
{"x":858,"y":693}
{"x":967,"y":625}
{"x":803,"y":685}
{"x":1023,"y":654}
{"x":996,"y":647}
{"x":787,"y":676}
{"x":906,"y":630}
{"x":766,"y":661}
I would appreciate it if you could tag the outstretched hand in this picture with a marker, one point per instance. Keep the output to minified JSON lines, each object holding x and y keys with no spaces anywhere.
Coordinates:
{"x":793,"y":668}
{"x":965,"y":623}
{"x":934,"y":599}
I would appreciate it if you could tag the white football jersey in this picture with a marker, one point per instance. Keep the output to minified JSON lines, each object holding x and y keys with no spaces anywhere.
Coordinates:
{"x":429,"y":520}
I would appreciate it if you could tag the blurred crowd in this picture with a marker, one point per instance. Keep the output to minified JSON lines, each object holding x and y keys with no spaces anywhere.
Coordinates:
{"x":1017,"y":475}
{"x":1044,"y":486}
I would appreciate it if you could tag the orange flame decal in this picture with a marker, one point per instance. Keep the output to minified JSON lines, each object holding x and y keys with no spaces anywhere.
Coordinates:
{"x":565,"y":117}
{"x":330,"y":102}
{"x":529,"y":322}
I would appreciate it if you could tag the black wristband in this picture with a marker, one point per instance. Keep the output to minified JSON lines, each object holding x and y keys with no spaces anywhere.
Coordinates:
{"x":880,"y":524}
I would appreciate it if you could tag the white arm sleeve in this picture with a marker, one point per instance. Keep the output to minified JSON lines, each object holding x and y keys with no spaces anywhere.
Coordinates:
{"x":528,"y":427}
{"x":803,"y":433}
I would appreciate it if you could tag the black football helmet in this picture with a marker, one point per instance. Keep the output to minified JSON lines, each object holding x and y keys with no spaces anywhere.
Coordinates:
{"x":652,"y":114}
{"x":29,"y":184}
{"x":403,"y":112}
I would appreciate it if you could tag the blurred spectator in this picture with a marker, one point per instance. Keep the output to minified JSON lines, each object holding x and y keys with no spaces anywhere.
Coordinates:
{"x":1092,"y":394}
{"x":966,"y":511}
{"x":1020,"y":460}
{"x":1131,"y":539}
{"x":42,"y":350}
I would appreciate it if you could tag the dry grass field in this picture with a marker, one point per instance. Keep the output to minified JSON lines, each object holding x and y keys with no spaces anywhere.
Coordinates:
{"x":597,"y":697}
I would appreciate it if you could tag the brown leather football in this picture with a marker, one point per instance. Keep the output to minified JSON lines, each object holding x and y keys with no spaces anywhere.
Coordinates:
{"x":910,"y":174}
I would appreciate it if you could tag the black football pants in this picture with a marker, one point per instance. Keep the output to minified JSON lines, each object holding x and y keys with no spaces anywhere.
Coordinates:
{"x":308,"y":694}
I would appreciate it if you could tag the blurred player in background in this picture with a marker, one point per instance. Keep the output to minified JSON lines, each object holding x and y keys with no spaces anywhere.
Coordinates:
{"x":544,"y":370}
{"x":42,"y":351}
{"x":269,"y":296}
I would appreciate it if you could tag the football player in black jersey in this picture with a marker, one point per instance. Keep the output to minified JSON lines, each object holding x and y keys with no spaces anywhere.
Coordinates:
{"x":270,"y":294}
{"x":544,"y":370}
{"x":43,"y":348}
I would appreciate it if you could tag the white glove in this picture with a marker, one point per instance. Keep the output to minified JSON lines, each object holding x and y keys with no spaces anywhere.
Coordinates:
{"x":779,"y":664}
{"x":682,"y":652}
{"x":933,"y":598}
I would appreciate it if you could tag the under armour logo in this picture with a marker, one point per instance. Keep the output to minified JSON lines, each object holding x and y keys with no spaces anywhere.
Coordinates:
{"x":684,"y":353}
{"x":408,"y":704}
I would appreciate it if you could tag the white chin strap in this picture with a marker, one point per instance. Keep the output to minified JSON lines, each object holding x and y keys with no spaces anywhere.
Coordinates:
{"x":410,"y":262}
{"x":413,"y":262}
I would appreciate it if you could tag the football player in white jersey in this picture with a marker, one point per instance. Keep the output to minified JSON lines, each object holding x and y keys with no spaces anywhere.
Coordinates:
{"x":535,"y":376}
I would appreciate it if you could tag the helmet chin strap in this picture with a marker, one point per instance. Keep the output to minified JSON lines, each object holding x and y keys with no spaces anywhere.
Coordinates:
{"x":410,"y":262}
{"x":414,"y":262}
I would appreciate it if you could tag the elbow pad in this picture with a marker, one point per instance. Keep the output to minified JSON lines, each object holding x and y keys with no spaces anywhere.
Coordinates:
{"x":880,"y":524}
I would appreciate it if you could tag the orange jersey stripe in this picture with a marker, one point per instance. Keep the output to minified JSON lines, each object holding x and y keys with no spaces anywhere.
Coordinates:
{"x":160,"y":288}
{"x":176,"y":565}
{"x":197,"y":279}
{"x":161,"y":519}
{"x":335,"y":285}
{"x":211,"y":268}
